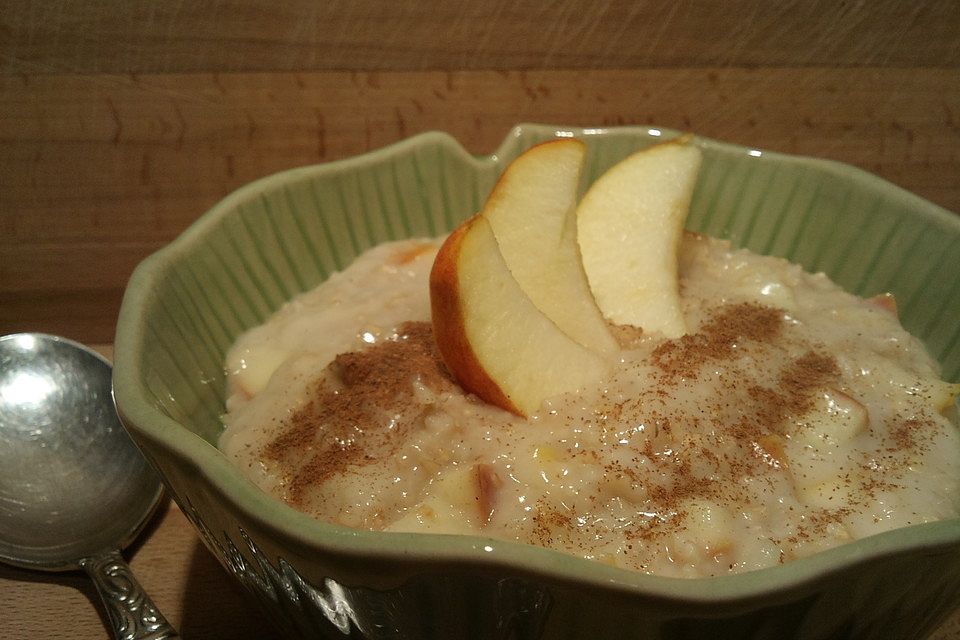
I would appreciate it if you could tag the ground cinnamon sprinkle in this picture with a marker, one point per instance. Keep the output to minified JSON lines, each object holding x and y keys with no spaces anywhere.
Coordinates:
{"x":908,"y":435}
{"x":718,"y":339}
{"x":793,"y":395}
{"x":345,"y":423}
{"x":549,"y":524}
{"x":758,"y":429}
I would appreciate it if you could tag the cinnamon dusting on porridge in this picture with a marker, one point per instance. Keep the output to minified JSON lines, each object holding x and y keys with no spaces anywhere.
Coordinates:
{"x":354,"y":393}
{"x":718,"y":339}
{"x":791,"y":418}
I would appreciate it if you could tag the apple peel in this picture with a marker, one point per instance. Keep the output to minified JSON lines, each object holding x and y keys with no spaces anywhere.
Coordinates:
{"x":494,"y":340}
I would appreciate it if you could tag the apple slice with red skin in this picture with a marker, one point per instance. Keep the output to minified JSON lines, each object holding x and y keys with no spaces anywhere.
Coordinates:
{"x":493,"y":338}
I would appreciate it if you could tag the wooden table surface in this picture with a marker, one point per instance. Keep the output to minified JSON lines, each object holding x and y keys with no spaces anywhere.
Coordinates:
{"x":185,"y":581}
{"x":122,"y":121}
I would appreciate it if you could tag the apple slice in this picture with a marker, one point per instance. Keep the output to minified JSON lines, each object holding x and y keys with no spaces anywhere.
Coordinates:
{"x":532,"y":210}
{"x":629,"y":225}
{"x":491,"y":335}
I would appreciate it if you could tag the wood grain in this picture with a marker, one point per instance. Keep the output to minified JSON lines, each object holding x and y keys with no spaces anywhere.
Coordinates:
{"x":119,"y":36}
{"x":122,"y":121}
{"x":99,"y":171}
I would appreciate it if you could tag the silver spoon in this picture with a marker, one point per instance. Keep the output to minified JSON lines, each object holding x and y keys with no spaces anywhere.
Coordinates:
{"x":74,"y":489}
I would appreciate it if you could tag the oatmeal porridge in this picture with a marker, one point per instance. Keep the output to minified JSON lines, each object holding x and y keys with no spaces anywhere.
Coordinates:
{"x":792,"y":417}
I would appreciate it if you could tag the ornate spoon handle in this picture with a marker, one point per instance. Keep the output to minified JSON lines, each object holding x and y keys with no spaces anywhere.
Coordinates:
{"x":132,"y":614}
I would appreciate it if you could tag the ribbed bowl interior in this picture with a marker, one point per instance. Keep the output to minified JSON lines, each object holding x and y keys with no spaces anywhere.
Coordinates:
{"x":284,"y":234}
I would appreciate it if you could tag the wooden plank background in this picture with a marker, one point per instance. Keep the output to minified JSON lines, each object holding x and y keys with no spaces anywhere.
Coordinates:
{"x":122,"y":121}
{"x":129,"y":36}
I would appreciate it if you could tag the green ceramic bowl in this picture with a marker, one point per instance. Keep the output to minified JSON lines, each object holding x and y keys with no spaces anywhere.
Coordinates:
{"x":284,"y":234}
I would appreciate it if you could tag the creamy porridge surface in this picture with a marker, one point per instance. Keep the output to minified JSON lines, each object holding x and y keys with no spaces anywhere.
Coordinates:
{"x":792,"y":418}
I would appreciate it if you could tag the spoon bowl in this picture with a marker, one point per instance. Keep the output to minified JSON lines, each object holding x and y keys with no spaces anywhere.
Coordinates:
{"x":74,"y":489}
